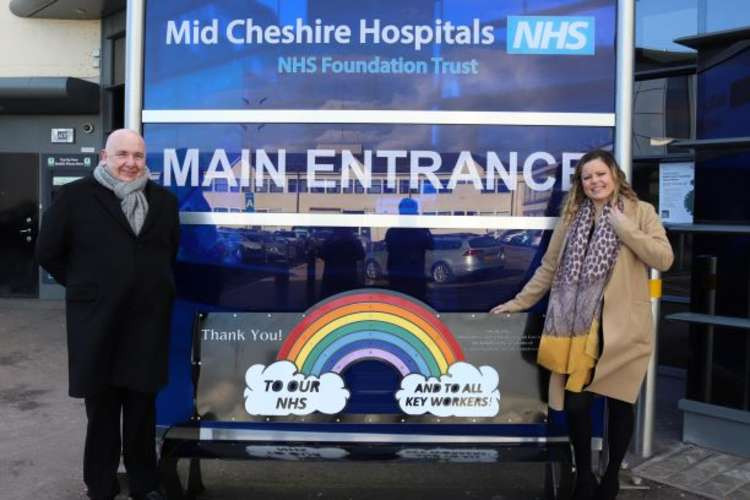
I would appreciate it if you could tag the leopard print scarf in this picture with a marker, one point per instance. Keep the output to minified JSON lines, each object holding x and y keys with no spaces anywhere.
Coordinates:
{"x":573,"y":315}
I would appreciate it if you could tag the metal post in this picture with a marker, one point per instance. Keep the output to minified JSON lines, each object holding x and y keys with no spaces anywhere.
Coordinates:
{"x":134,"y":35}
{"x":645,"y":419}
{"x":624,"y":97}
{"x":710,"y":265}
{"x":681,"y":246}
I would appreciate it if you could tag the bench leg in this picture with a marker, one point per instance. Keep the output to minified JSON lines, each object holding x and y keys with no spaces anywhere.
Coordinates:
{"x":195,"y":479}
{"x":170,"y":479}
{"x":558,"y":480}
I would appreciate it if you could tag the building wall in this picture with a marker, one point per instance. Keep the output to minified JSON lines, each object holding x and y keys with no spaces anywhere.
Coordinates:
{"x":47,"y":47}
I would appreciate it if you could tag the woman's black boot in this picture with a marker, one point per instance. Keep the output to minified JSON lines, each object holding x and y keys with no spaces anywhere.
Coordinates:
{"x":578,"y":413}
{"x":586,"y":487}
{"x":609,"y":487}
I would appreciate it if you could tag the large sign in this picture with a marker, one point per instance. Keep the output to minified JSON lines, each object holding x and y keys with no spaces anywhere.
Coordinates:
{"x":292,"y":133}
{"x":265,"y":83}
{"x":433,"y":367}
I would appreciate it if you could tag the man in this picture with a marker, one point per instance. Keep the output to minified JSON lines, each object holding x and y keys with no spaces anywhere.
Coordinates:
{"x":111,"y":240}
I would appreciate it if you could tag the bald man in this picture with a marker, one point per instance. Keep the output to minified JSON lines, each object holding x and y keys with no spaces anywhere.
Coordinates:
{"x":111,"y":240}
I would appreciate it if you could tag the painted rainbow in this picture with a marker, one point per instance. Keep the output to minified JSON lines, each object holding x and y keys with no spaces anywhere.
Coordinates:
{"x":371,"y":325}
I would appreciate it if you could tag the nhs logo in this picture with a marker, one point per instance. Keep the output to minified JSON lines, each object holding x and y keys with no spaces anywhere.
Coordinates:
{"x":551,"y":35}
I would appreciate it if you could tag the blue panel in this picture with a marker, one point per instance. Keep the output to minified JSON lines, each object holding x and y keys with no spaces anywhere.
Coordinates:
{"x":724,"y":99}
{"x":384,"y":54}
{"x":373,"y":385}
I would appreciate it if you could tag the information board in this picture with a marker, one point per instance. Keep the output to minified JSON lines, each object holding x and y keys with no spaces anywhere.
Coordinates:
{"x":451,"y":367}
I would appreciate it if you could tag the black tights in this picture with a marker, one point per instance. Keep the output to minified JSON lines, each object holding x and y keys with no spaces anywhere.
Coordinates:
{"x":619,"y":431}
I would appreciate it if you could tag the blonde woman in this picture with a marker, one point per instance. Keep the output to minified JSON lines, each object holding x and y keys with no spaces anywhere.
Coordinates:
{"x":597,"y":331}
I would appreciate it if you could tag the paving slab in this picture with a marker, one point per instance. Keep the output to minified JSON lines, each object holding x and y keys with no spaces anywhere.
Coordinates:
{"x":708,"y":473}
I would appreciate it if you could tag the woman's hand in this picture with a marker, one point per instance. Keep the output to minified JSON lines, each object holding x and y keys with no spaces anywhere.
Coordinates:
{"x":504,"y":308}
{"x":616,"y":217}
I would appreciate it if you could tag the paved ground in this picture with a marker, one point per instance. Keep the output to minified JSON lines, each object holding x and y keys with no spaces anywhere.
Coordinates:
{"x":41,"y":435}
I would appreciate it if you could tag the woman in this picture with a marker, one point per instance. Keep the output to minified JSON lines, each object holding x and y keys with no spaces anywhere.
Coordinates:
{"x":597,"y":331}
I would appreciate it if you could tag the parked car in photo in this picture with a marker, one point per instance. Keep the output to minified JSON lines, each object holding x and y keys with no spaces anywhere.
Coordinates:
{"x":262,"y":247}
{"x":453,"y":256}
{"x":251,"y":247}
{"x":456,"y":257}
{"x":296,"y":246}
{"x":376,"y":261}
{"x":520,"y":247}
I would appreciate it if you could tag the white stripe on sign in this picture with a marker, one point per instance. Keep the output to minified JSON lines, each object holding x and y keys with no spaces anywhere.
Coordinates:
{"x":366,"y":220}
{"x":376,"y":116}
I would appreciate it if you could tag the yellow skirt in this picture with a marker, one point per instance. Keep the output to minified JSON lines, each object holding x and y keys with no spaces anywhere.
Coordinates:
{"x":572,"y":356}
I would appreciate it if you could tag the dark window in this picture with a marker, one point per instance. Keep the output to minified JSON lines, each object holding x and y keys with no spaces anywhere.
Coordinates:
{"x":677,"y":112}
{"x":483,"y":242}
{"x":376,"y":187}
{"x":113,"y":84}
{"x":118,"y":61}
{"x":739,"y":93}
{"x":446,"y":243}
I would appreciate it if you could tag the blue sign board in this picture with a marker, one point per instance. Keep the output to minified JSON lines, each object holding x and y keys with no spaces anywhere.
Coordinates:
{"x":448,"y":55}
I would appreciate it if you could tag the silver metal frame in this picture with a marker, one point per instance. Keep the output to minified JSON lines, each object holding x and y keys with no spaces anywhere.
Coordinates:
{"x":624,"y":94}
{"x":624,"y":156}
{"x":135,"y":29}
{"x":268,"y":435}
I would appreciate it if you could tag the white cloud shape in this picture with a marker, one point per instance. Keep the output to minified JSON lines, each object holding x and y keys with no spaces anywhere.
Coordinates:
{"x":465,"y":391}
{"x":295,"y":453}
{"x":279,"y":389}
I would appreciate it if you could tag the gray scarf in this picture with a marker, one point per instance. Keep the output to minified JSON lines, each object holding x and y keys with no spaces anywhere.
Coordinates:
{"x":132,"y":199}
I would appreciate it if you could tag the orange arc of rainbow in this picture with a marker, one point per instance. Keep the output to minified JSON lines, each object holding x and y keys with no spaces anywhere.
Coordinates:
{"x":337,"y":313}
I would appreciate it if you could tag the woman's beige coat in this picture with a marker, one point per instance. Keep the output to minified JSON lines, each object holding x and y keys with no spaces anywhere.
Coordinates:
{"x":626,"y":313}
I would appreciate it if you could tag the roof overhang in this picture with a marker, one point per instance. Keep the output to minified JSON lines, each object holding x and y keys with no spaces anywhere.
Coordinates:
{"x":48,"y":95}
{"x":66,"y":9}
{"x":716,"y":38}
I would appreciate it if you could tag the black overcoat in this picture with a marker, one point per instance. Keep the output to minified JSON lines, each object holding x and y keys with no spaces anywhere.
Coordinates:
{"x":119,"y":287}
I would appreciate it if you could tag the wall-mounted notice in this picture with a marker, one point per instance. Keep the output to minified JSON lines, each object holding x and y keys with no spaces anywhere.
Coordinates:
{"x":676,"y":192}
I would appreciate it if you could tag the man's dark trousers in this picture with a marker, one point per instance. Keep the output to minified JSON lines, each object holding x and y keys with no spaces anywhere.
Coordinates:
{"x":102,"y":452}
